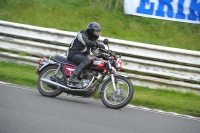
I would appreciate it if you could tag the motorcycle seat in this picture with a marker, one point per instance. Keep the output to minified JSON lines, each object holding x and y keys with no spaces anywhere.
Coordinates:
{"x":63,"y":60}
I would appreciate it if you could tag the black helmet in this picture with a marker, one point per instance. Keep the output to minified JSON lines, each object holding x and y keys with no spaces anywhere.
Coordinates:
{"x":92,"y":29}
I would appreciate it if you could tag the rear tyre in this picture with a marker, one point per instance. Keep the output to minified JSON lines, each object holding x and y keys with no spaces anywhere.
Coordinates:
{"x":48,"y":89}
{"x":120,"y":98}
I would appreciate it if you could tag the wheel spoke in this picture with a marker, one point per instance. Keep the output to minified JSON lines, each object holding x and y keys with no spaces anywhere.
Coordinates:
{"x":49,"y":75}
{"x":118,"y":97}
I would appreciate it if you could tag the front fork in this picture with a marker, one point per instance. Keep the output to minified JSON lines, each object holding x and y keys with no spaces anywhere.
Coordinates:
{"x":113,"y":82}
{"x":112,"y":76}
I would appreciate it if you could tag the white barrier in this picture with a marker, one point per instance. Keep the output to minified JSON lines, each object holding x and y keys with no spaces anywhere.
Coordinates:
{"x":147,"y":65}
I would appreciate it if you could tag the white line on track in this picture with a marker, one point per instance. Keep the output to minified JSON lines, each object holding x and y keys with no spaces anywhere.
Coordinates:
{"x":99,"y":101}
{"x":1,"y":82}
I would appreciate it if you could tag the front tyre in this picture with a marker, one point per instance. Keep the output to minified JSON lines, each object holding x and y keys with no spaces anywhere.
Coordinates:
{"x":47,"y":89}
{"x":120,"y":98}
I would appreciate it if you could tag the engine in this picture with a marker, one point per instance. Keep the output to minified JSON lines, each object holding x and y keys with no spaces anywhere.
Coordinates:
{"x":86,"y":76}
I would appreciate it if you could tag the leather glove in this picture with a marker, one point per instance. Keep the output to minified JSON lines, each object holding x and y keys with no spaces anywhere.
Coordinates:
{"x":96,"y":45}
{"x":101,"y":46}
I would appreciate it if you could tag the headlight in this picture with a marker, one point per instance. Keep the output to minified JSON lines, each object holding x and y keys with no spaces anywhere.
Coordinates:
{"x":118,"y":64}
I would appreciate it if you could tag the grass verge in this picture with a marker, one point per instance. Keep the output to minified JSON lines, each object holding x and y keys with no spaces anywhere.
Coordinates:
{"x":73,"y":15}
{"x":183,"y":103}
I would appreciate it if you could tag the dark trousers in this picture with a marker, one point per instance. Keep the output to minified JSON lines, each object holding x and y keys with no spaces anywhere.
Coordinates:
{"x":82,"y":61}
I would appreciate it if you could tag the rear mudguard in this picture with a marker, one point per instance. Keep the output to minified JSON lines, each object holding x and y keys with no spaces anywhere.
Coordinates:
{"x":45,"y":64}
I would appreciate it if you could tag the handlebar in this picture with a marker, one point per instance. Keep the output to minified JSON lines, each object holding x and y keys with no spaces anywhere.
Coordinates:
{"x":106,"y":42}
{"x":110,"y":53}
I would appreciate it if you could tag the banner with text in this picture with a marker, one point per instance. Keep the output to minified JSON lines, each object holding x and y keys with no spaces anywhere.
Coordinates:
{"x":174,"y":10}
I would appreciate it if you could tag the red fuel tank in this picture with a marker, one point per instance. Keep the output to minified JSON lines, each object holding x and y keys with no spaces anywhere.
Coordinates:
{"x":98,"y":64}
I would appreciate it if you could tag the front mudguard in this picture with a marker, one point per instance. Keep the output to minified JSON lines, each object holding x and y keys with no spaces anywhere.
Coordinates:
{"x":117,"y":75}
{"x":45,"y":64}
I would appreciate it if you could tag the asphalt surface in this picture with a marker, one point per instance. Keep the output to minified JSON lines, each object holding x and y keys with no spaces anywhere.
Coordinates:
{"x":25,"y":110}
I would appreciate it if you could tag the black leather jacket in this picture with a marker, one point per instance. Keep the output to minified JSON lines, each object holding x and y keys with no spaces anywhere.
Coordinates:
{"x":82,"y":43}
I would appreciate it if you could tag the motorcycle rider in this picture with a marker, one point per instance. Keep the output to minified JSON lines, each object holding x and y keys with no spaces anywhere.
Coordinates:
{"x":80,"y":48}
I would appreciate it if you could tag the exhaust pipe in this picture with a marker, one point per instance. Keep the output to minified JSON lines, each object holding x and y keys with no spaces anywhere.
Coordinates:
{"x":54,"y":83}
{"x":65,"y":87}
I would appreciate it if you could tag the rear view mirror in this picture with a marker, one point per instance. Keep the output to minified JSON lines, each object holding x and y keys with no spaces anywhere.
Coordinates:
{"x":106,"y":41}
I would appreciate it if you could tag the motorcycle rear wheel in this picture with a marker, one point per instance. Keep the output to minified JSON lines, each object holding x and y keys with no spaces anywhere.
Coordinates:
{"x":120,"y":98}
{"x":47,"y":89}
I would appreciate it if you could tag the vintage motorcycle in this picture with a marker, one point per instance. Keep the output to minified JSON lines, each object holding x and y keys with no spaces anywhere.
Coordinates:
{"x":116,"y":91}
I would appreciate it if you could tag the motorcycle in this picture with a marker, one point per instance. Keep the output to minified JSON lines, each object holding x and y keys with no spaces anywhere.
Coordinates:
{"x":116,"y":91}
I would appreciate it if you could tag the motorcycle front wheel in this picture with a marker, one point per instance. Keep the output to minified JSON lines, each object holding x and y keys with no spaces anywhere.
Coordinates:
{"x":119,"y":98}
{"x":47,"y":89}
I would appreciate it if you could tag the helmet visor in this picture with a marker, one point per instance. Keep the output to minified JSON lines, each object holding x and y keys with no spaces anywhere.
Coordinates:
{"x":97,"y":32}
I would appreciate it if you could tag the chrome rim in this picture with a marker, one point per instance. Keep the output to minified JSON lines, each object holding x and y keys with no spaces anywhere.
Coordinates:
{"x":116,"y":97}
{"x":49,"y":87}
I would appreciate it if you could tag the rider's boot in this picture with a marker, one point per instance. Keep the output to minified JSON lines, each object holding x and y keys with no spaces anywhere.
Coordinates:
{"x":79,"y":69}
{"x":74,"y":79}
